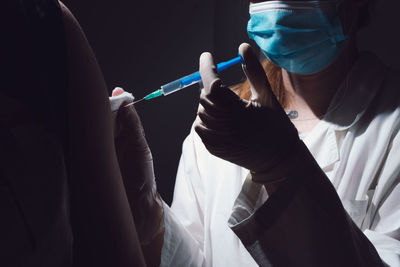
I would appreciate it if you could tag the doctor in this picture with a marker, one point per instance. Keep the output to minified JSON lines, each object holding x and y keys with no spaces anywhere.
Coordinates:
{"x":308,"y":178}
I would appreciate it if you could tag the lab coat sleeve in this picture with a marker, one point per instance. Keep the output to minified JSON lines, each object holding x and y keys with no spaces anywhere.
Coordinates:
{"x":382,"y":222}
{"x":304,"y":224}
{"x":184,"y":221}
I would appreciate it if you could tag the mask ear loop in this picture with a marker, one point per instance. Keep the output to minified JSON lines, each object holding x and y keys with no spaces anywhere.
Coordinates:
{"x":353,"y":26}
{"x":352,"y":29}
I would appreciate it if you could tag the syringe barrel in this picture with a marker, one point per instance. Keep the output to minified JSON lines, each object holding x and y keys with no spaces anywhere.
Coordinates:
{"x":171,"y":87}
{"x":195,"y":77}
{"x":181,"y":83}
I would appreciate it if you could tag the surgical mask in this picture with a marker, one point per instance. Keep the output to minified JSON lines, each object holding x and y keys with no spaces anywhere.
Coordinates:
{"x":301,"y":37}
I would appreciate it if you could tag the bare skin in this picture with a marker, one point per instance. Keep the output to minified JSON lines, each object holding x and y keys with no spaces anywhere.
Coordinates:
{"x":103,"y":226}
{"x":311,"y":95}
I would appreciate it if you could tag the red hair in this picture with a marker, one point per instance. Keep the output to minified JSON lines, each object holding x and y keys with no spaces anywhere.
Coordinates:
{"x":274,"y":74}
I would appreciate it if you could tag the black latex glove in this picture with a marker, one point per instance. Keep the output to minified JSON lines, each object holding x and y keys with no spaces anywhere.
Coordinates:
{"x":255,"y":134}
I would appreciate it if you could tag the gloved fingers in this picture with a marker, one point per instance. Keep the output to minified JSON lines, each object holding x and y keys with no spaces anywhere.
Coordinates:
{"x":223,"y":102}
{"x":218,"y":143}
{"x":211,"y":106}
{"x":125,"y":117}
{"x":211,"y":138}
{"x":260,"y":87}
{"x":206,"y":119}
{"x":209,"y":75}
{"x":217,"y":133}
{"x":128,"y":122}
{"x":214,"y":96}
{"x":215,"y":110}
{"x":217,"y":123}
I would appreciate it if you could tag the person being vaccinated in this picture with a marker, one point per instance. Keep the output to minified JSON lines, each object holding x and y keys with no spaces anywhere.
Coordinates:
{"x":62,"y":197}
{"x":298,"y":167}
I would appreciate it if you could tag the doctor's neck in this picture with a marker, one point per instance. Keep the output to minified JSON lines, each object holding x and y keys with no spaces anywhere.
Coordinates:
{"x":316,"y":91}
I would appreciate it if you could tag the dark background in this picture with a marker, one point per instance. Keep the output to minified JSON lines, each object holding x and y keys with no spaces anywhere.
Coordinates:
{"x":141,"y":45}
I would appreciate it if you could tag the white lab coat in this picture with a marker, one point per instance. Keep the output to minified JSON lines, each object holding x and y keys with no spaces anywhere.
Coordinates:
{"x":357,"y":145}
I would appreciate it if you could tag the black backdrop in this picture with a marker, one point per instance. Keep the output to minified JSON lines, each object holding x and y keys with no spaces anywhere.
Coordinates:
{"x":141,"y":45}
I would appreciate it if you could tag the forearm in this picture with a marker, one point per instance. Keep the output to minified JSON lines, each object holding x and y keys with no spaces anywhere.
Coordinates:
{"x":303,"y":222}
{"x":148,"y":213}
{"x":152,"y":251}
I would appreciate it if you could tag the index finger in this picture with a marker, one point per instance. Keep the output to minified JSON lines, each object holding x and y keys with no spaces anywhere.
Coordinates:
{"x":208,"y":73}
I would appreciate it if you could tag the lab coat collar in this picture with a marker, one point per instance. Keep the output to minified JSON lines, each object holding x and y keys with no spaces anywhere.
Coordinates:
{"x":322,"y":144}
{"x":348,"y":105}
{"x":356,"y":92}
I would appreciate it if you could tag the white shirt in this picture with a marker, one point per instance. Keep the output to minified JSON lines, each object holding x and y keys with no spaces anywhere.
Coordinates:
{"x":357,"y":145}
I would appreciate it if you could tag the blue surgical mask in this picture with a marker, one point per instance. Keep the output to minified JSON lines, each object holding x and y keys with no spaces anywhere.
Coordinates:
{"x":302,"y":37}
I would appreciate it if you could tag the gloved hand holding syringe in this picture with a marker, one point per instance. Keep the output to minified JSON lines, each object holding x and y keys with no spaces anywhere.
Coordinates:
{"x":186,"y":81}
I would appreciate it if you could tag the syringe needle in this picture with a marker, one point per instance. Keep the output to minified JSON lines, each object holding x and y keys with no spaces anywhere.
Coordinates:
{"x":130,"y":104}
{"x":134,"y":102}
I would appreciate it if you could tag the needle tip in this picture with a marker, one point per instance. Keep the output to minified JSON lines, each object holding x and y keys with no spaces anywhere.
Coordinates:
{"x":130,"y":104}
{"x":134,"y":102}
{"x":137,"y":101}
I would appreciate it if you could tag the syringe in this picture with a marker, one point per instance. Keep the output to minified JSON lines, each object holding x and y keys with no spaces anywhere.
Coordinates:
{"x":186,"y":81}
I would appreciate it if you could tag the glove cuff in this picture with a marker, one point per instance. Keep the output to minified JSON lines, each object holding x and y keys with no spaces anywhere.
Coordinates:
{"x":154,"y":223}
{"x":148,"y":212}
